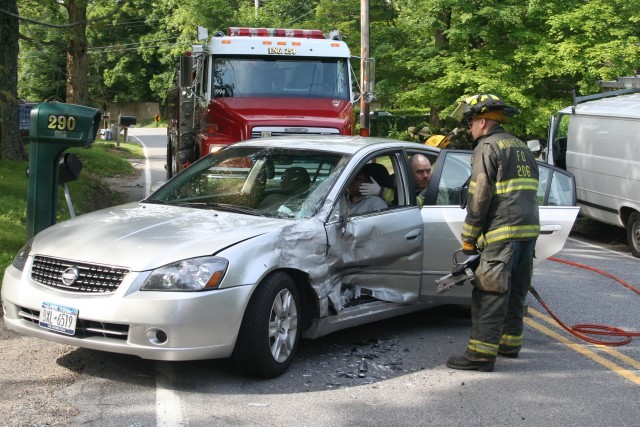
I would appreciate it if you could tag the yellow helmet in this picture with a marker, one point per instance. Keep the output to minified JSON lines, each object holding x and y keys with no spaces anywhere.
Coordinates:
{"x":485,"y":103}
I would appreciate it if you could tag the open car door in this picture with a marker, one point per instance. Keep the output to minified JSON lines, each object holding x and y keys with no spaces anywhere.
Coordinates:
{"x":443,"y":219}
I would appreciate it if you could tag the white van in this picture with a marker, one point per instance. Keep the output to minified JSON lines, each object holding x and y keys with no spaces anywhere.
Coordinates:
{"x":598,"y":141}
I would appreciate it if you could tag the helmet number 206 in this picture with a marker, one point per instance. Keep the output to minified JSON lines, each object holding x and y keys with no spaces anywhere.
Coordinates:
{"x":62,"y":122}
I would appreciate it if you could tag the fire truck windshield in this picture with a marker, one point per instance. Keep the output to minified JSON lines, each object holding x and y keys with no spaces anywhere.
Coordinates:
{"x":290,"y":77}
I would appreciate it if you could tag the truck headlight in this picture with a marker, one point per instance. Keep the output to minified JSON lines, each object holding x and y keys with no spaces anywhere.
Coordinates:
{"x":21,"y":258}
{"x":195,"y":274}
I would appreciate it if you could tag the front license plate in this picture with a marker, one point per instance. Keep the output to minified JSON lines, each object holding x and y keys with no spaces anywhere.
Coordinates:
{"x":58,"y":318}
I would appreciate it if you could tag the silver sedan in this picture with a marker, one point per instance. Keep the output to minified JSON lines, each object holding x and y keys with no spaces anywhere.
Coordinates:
{"x":250,"y":249}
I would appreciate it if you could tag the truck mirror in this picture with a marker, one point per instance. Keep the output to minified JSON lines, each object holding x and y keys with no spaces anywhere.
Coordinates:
{"x":368,"y":79}
{"x":186,"y":71}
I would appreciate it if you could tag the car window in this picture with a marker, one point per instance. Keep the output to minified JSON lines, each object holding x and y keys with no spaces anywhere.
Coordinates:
{"x":284,"y":183}
{"x":384,"y":170}
{"x":555,"y":187}
{"x":450,"y":177}
{"x":432,"y":156}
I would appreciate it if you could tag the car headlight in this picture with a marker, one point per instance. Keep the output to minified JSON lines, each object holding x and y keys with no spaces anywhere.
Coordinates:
{"x":195,"y":274}
{"x":21,"y":259}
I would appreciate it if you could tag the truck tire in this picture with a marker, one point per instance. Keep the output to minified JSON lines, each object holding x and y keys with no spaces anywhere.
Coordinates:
{"x":270,"y":332}
{"x":633,"y":234}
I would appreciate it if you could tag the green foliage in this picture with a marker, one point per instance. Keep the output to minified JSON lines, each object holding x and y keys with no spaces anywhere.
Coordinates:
{"x":88,"y":193}
{"x":13,"y":209}
{"x":429,"y":53}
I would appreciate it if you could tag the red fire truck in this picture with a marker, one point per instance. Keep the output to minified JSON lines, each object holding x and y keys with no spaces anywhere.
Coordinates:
{"x":257,"y":82}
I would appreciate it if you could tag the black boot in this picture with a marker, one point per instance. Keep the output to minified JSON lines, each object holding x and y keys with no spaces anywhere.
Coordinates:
{"x":508,"y":351}
{"x":461,"y":362}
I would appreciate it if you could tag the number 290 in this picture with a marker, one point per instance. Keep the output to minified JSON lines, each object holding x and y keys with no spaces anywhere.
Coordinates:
{"x":62,"y":122}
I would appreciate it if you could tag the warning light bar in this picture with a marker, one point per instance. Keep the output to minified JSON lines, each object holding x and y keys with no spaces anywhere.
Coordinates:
{"x":274,"y":32}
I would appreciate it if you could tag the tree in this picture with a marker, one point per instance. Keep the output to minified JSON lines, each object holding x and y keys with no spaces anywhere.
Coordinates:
{"x":10,"y":142}
{"x":77,"y":87}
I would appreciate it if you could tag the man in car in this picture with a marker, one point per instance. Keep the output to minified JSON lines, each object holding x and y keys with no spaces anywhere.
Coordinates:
{"x":359,"y":203}
{"x":421,"y":172}
{"x":502,"y":217}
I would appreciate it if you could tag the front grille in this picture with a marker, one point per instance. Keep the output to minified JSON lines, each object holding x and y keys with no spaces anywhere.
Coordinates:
{"x":257,"y":132}
{"x":76,"y":276}
{"x":85,"y":328}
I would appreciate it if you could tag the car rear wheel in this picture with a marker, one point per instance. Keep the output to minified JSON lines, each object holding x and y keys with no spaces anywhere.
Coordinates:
{"x":270,"y":333}
{"x":633,"y":233}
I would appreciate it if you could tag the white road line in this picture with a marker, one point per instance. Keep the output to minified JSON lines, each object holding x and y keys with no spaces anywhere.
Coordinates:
{"x":168,"y":408}
{"x":147,"y":168}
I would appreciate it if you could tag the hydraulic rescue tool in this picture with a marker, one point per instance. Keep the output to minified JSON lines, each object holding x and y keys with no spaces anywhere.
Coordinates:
{"x":462,"y":271}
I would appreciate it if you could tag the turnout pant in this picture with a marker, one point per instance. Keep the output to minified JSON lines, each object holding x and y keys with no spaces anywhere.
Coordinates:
{"x":502,"y":282}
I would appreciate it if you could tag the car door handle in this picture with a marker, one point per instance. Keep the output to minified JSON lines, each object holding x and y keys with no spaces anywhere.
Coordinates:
{"x":550,"y":229}
{"x":413,"y":235}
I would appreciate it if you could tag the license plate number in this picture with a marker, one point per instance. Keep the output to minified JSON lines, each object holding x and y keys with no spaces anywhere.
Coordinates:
{"x":58,"y":318}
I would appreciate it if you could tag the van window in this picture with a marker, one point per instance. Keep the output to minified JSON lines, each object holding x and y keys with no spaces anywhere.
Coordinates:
{"x":560,"y":141}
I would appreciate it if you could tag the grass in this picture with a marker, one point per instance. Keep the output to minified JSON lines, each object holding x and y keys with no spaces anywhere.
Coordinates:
{"x":88,"y":193}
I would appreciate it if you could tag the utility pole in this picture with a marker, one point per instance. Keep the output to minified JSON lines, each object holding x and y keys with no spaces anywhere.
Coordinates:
{"x":257,"y":5}
{"x":364,"y":54}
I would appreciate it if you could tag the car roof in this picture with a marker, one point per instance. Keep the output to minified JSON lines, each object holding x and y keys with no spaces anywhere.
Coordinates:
{"x":337,"y":144}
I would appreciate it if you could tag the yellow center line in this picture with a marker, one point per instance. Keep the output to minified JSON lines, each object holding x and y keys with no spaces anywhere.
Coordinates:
{"x":615,"y":353}
{"x":625,"y":373}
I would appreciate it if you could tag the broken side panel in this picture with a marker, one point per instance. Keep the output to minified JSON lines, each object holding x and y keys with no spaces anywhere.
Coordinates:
{"x":377,"y":256}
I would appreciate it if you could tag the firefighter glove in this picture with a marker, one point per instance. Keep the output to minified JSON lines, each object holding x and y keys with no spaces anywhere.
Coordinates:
{"x":370,"y":188}
{"x":469,"y":248}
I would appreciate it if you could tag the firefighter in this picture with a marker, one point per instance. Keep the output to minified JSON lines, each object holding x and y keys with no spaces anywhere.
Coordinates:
{"x":502,"y":219}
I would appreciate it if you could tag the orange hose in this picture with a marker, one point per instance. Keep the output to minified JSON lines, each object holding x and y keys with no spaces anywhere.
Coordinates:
{"x":584,"y":329}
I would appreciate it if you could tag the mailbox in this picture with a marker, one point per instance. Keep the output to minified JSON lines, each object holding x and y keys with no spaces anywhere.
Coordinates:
{"x":55,"y":127}
{"x":69,"y":168}
{"x":126,"y":120}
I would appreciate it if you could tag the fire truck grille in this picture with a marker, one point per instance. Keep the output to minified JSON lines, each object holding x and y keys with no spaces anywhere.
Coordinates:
{"x":260,"y":132}
{"x":75,"y":276}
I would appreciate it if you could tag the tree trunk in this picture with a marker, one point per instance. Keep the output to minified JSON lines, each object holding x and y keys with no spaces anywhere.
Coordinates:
{"x":77,"y":83}
{"x":11,"y":147}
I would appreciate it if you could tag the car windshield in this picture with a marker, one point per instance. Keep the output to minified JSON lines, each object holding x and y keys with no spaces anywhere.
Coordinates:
{"x":273,"y":182}
{"x":296,"y":77}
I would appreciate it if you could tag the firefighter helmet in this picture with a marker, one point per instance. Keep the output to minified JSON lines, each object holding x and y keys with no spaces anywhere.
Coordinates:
{"x":487,"y":105}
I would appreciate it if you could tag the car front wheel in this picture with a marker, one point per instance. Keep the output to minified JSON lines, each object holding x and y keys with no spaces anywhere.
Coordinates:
{"x":633,"y":233}
{"x":270,"y":333}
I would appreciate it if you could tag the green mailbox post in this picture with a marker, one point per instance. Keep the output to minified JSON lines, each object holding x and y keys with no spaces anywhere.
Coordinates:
{"x":54,"y":128}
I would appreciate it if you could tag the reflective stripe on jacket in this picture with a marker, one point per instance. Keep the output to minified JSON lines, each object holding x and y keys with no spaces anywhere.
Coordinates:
{"x":502,"y":202}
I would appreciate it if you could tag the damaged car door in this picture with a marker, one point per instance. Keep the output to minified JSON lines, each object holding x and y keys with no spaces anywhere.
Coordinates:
{"x":375,"y":256}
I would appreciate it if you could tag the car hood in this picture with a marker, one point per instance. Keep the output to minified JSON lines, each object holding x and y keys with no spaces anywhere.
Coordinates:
{"x":142,"y":236}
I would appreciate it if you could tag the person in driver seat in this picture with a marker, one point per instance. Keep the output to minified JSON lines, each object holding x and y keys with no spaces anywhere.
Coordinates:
{"x":359,"y":203}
